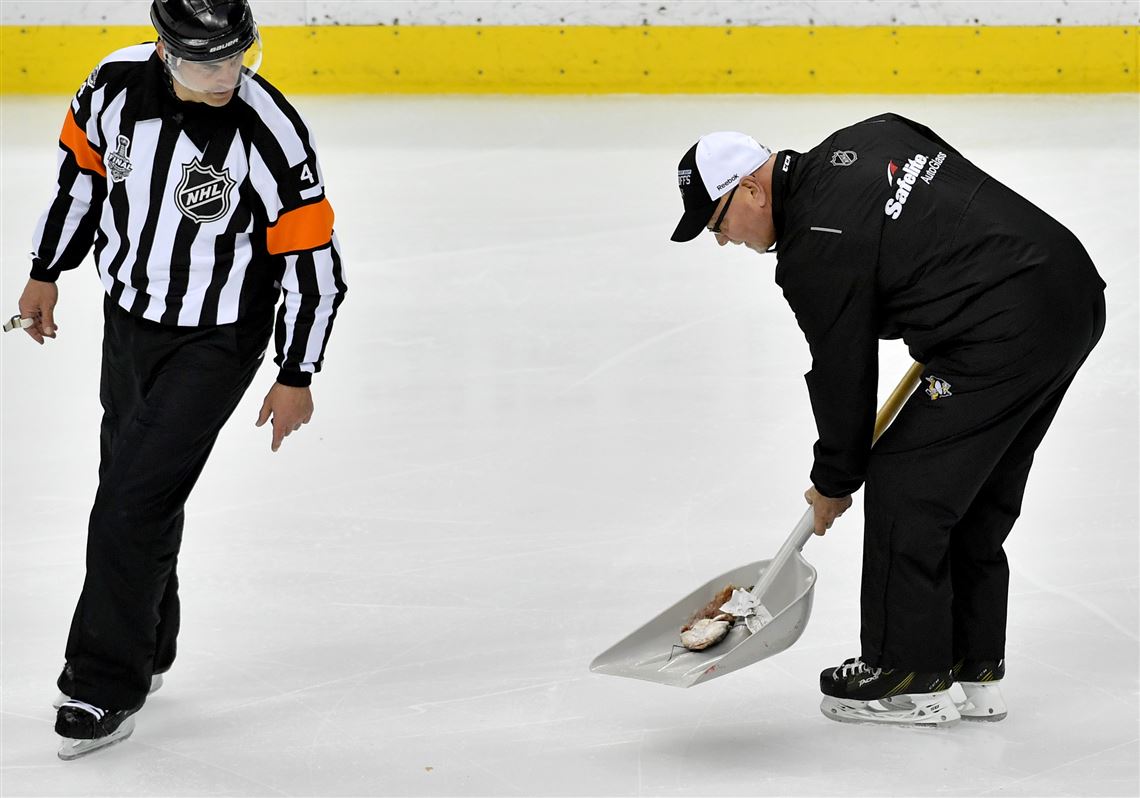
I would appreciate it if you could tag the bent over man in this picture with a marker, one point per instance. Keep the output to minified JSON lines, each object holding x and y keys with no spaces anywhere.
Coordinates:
{"x":886,"y":231}
{"x":199,"y":186}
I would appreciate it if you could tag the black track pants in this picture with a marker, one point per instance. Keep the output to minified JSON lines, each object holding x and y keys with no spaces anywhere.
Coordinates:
{"x":166,"y":392}
{"x":944,"y":487}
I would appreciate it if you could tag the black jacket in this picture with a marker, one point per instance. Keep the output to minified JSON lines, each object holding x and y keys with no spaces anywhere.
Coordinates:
{"x":886,"y":231}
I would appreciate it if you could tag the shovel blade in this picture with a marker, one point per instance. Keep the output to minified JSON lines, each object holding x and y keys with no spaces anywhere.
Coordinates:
{"x":654,"y":652}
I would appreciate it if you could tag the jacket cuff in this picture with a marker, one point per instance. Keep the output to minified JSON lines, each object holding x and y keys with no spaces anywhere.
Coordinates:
{"x":831,"y":484}
{"x":294,"y":379}
{"x":43,"y":275}
{"x":829,"y":493}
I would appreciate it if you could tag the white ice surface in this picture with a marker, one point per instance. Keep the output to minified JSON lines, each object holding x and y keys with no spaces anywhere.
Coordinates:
{"x":540,"y":423}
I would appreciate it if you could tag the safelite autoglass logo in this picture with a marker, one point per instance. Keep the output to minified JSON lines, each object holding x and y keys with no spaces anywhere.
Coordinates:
{"x":904,"y":184}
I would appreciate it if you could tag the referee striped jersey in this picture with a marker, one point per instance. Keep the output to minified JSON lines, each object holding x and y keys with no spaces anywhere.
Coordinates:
{"x":198,"y":215}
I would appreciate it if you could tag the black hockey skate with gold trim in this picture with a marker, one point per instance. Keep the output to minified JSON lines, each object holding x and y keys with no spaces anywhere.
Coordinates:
{"x":857,"y":693}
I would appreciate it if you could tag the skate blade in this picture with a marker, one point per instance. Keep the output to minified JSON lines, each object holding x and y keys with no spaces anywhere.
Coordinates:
{"x":921,"y":710}
{"x":74,"y":749}
{"x":983,"y":702}
{"x":982,"y":718}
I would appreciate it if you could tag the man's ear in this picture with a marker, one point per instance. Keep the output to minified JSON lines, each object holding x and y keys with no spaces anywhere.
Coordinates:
{"x":755,"y":188}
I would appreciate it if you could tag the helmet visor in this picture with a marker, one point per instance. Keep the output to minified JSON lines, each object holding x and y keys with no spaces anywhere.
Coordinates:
{"x":217,"y":76}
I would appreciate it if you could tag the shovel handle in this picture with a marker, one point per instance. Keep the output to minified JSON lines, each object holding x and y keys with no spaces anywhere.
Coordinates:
{"x":804,"y":529}
{"x":897,"y":399}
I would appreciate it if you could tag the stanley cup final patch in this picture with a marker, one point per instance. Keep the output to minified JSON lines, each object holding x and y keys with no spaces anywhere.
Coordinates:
{"x":937,"y":388}
{"x":119,"y":162}
{"x":203,"y":195}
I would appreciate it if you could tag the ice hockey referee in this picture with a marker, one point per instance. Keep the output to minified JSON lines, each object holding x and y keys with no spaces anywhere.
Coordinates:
{"x":198,"y":185}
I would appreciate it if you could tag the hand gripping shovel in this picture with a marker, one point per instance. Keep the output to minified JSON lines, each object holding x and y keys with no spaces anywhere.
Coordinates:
{"x":786,"y":585}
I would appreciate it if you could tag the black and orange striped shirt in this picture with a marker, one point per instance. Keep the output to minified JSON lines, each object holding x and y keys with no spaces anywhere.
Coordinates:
{"x":198,"y":215}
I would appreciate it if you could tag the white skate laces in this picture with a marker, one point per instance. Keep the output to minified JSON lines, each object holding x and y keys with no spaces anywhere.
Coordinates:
{"x":96,"y":711}
{"x":855,"y":667}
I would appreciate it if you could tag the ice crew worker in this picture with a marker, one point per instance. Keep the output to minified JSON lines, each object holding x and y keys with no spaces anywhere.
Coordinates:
{"x":885,"y":231}
{"x":198,"y":185}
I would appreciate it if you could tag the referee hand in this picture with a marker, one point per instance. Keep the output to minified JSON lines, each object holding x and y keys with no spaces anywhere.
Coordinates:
{"x":289,"y":408}
{"x":826,"y":509}
{"x":38,"y":302}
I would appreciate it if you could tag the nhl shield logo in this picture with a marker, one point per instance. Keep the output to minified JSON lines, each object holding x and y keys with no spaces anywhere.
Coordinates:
{"x":204,"y":193}
{"x":844,"y":157}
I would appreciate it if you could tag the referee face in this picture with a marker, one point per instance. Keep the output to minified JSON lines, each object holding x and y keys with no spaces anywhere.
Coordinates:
{"x":214,"y":77}
{"x":214,"y":81}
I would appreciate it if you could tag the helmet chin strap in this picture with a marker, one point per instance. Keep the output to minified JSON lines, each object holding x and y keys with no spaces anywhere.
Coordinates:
{"x":171,"y":81}
{"x":165,"y":66}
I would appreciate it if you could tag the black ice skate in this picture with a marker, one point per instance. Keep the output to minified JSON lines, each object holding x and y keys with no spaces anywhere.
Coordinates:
{"x":155,"y":684}
{"x":86,"y":728}
{"x":856,"y":693}
{"x":980,"y":680}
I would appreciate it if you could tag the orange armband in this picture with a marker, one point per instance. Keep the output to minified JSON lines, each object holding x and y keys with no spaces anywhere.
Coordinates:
{"x":307,"y":227}
{"x":73,"y":137}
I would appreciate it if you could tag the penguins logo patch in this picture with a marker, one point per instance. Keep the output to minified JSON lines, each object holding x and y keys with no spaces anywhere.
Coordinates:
{"x":937,"y":389}
{"x":204,"y":193}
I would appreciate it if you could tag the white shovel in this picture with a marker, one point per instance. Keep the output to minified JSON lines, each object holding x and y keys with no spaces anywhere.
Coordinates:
{"x":785,"y":587}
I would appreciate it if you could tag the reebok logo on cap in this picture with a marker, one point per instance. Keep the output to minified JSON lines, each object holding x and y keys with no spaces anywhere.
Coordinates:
{"x":728,"y":182}
{"x":708,"y":171}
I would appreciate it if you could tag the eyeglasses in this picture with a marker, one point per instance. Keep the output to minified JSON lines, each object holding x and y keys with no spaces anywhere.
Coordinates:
{"x":715,"y":229}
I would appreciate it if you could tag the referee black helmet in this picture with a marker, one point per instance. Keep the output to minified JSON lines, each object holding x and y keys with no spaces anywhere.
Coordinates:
{"x":204,"y":30}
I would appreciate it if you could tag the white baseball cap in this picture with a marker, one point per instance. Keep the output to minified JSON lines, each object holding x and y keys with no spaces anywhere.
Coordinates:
{"x":710,"y":169}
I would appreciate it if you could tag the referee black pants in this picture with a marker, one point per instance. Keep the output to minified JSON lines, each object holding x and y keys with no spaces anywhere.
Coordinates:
{"x":945,"y":483}
{"x":166,"y":392}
